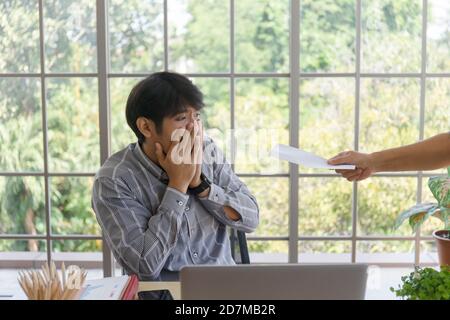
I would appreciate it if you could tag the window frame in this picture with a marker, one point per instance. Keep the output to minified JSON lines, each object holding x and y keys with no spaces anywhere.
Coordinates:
{"x":294,"y":76}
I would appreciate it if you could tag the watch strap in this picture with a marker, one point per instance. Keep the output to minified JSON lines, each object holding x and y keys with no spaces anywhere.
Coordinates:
{"x":204,"y":184}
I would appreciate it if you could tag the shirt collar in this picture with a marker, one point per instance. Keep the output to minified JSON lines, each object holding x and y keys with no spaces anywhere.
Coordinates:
{"x":154,"y":169}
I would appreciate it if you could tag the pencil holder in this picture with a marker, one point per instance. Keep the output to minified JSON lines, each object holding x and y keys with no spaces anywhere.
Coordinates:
{"x":49,"y":284}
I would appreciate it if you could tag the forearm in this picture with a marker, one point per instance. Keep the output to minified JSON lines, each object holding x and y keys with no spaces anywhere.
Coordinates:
{"x":430,"y":154}
{"x":230,"y":212}
{"x":159,"y":245}
{"x":233,"y":208}
{"x":228,"y":199}
{"x":137,"y":239}
{"x":182,"y":187}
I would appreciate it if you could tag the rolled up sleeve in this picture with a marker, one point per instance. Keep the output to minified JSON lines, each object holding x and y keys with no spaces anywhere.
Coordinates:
{"x":228,"y":190}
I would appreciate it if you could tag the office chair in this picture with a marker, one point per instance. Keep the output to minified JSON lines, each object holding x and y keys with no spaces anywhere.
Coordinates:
{"x":244,"y":257}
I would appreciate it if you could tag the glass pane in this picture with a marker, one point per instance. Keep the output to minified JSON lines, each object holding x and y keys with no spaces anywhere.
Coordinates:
{"x":21,"y":147}
{"x":433,"y":223}
{"x":325,"y":206}
{"x":67,"y":246}
{"x":391,"y":36}
{"x":437,"y":106}
{"x":21,"y":254}
{"x":262,"y":36}
{"x":85,"y":254}
{"x":428,"y":252}
{"x":19,"y":34}
{"x":380,"y":201}
{"x":268,"y":251}
{"x":71,"y":206}
{"x":73,"y":132}
{"x":70,"y":35}
{"x":199,"y":35}
{"x":22,"y":205}
{"x":136,"y":35}
{"x":216,"y":113}
{"x":324,"y":251}
{"x":327,"y":36}
{"x":389,"y":113}
{"x":34,"y":245}
{"x":15,"y":254}
{"x":438,"y":36}
{"x":121,"y":133}
{"x":385,"y":251}
{"x":272,"y":195}
{"x":117,"y":269}
{"x":326,"y":117}
{"x":262,"y":121}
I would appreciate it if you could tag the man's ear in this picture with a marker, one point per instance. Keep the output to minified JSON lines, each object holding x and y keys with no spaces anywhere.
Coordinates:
{"x":146,"y":127}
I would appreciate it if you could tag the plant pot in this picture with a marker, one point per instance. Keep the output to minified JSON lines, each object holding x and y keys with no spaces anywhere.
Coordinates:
{"x":443,"y":246}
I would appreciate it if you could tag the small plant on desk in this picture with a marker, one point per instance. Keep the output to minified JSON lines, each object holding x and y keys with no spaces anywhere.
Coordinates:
{"x":425,"y":284}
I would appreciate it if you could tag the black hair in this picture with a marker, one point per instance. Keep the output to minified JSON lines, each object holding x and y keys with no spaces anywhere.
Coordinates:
{"x":160,"y":95}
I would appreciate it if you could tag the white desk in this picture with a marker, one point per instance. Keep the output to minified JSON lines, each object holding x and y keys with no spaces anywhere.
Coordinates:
{"x":172,"y":286}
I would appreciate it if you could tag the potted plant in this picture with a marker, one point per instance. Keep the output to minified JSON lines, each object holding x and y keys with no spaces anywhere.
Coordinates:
{"x":418,"y":214}
{"x":425,"y":284}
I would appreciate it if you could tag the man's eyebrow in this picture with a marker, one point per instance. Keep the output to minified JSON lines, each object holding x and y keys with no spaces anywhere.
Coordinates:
{"x":184,"y":111}
{"x":176,"y":114}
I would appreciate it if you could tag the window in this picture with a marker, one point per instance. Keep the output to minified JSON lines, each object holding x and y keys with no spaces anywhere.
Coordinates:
{"x":321,"y":75}
{"x":49,"y":128}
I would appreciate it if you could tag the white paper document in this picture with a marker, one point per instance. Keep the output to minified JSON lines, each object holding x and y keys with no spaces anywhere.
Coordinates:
{"x":304,"y":158}
{"x":104,"y":289}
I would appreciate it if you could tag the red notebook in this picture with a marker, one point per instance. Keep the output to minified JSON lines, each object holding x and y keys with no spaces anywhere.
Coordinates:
{"x":131,"y":289}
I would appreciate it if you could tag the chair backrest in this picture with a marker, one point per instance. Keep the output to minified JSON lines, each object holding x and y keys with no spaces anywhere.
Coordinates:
{"x":240,"y":238}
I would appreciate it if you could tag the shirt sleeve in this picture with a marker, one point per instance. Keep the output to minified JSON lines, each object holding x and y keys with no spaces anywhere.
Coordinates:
{"x":228,"y":190}
{"x":142,"y":239}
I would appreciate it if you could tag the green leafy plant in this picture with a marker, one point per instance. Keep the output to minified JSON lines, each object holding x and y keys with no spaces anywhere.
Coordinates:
{"x":425,"y":284}
{"x":418,"y":214}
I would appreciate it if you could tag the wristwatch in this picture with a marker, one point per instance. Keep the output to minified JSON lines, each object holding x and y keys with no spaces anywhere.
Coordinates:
{"x":204,"y":184}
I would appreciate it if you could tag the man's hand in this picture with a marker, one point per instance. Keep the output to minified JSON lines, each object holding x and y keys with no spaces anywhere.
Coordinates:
{"x":362,"y":161}
{"x":198,"y":153}
{"x":178,"y":162}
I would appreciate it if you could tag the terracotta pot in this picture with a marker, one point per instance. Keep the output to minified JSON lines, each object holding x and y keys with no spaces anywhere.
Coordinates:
{"x":443,"y":246}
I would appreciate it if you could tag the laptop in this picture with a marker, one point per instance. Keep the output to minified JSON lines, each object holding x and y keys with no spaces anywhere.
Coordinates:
{"x":274,"y":282}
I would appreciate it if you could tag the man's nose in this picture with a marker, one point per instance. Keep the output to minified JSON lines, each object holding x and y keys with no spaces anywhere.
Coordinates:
{"x":190,"y":124}
{"x":191,"y":121}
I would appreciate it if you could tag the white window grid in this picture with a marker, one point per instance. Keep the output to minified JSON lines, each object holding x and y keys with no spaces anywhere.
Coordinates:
{"x":294,"y":75}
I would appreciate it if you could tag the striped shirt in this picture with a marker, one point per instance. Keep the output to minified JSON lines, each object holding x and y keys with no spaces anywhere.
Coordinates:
{"x":151,"y":227}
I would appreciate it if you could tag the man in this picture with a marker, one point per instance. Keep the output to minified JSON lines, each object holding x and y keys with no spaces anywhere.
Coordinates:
{"x":429,"y":154}
{"x":165,"y":201}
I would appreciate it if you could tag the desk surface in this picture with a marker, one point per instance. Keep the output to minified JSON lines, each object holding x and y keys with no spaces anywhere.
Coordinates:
{"x":378,"y":283}
{"x":172,"y":286}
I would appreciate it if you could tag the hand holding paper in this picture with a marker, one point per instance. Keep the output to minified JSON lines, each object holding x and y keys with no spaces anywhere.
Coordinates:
{"x":304,"y":158}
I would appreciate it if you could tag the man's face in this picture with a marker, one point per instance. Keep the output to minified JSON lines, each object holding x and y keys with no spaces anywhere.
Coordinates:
{"x":183,"y":121}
